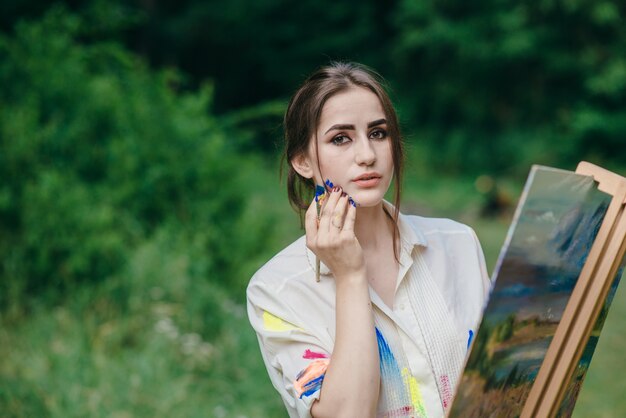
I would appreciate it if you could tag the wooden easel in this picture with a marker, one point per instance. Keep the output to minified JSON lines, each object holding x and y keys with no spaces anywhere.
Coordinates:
{"x":586,"y":301}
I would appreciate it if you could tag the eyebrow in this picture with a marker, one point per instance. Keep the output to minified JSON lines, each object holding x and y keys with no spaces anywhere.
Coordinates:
{"x":351,"y":127}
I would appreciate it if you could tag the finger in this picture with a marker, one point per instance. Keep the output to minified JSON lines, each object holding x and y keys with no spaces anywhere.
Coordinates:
{"x":310,"y":221}
{"x":328,"y":208}
{"x":339,"y":213}
{"x":348,"y":223}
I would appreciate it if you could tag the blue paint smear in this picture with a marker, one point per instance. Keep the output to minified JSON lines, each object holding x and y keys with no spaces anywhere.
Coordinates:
{"x":387,"y":360}
{"x":383,"y":348}
{"x":470,"y":338}
{"x":394,"y":386}
{"x":313,"y":386}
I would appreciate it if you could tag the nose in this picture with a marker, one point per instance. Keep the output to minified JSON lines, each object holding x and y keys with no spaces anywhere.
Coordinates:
{"x":364,"y":153}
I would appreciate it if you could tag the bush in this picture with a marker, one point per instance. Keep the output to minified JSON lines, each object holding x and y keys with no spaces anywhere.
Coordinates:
{"x":97,"y":153}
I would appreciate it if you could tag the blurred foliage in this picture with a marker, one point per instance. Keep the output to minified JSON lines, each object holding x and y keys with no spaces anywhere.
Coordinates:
{"x":488,"y":86}
{"x":128,"y":232}
{"x":98,"y":154}
{"x":155,"y":340}
{"x":496,"y":84}
{"x":258,"y":50}
{"x":138,"y":155}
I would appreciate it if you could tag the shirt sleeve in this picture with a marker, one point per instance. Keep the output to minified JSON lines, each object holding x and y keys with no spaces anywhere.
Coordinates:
{"x":486,"y":281}
{"x":295,"y":358}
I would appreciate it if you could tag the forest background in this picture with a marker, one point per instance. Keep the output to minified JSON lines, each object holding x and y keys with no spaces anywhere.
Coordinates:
{"x":139,"y":159}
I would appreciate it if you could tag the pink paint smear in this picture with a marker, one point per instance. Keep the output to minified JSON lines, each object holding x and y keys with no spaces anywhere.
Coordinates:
{"x":308,"y":354}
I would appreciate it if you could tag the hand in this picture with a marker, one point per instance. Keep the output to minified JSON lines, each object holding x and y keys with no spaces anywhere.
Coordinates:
{"x":332,"y":239}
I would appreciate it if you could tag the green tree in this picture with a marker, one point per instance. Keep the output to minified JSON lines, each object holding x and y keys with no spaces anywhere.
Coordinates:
{"x":98,"y":152}
{"x":495,"y":84}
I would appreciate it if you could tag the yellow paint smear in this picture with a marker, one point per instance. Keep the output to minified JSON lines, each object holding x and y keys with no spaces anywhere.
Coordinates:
{"x":274,"y":323}
{"x":414,"y":392}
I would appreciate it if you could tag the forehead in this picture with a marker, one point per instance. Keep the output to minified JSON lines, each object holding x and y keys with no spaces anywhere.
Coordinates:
{"x":351,"y":106}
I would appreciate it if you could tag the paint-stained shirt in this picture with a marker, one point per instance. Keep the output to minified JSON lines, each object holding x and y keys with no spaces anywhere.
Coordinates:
{"x":441,"y":289}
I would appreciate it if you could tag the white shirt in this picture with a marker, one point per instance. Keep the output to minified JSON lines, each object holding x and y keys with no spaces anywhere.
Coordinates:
{"x":441,"y":288}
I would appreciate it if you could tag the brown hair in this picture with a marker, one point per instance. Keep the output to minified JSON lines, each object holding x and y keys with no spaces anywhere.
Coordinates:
{"x":303,"y":115}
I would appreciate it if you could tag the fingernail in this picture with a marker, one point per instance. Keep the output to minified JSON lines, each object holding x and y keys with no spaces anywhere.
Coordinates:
{"x":344,"y":194}
{"x":336,"y":189}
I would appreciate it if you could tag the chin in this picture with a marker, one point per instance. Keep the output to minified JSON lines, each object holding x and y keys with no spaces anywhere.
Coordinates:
{"x":368,"y":200}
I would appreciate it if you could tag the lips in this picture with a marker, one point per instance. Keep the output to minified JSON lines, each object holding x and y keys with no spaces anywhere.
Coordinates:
{"x":367,"y":179}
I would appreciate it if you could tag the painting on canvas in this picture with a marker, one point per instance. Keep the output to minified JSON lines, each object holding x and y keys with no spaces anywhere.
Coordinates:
{"x":557,"y":219}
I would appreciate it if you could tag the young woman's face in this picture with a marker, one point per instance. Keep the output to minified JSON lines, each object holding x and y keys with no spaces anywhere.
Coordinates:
{"x":354,"y":148}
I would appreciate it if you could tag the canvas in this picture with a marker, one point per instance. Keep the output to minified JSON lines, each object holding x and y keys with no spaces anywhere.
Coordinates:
{"x":556,"y":222}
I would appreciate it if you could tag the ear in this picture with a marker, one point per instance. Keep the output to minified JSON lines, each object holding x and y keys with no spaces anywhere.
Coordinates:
{"x":303,"y":165}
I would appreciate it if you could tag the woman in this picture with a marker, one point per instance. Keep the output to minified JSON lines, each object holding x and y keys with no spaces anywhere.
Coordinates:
{"x":385,"y":330}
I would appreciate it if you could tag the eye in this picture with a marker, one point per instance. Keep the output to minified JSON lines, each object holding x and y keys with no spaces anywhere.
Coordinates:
{"x":378,"y":134}
{"x":340,"y":139}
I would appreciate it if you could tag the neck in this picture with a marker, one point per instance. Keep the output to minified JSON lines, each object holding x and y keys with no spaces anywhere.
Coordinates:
{"x":373,"y":227}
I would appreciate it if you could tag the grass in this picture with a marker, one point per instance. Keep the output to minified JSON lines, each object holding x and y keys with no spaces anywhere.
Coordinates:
{"x":161,"y":345}
{"x":158,"y":340}
{"x":602,"y":395}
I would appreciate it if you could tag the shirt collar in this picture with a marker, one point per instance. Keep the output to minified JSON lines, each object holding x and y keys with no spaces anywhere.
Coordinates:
{"x":410,"y":237}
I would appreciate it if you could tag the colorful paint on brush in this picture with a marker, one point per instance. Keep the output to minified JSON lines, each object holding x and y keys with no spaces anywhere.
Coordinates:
{"x":401,"y":388}
{"x":320,"y":193}
{"x":274,"y":323}
{"x":309,"y":380}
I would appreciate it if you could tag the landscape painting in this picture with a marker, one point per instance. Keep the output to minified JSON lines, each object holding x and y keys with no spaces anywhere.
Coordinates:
{"x":557,"y":219}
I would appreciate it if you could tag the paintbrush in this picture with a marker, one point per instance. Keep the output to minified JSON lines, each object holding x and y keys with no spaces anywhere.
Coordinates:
{"x":321,"y":192}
